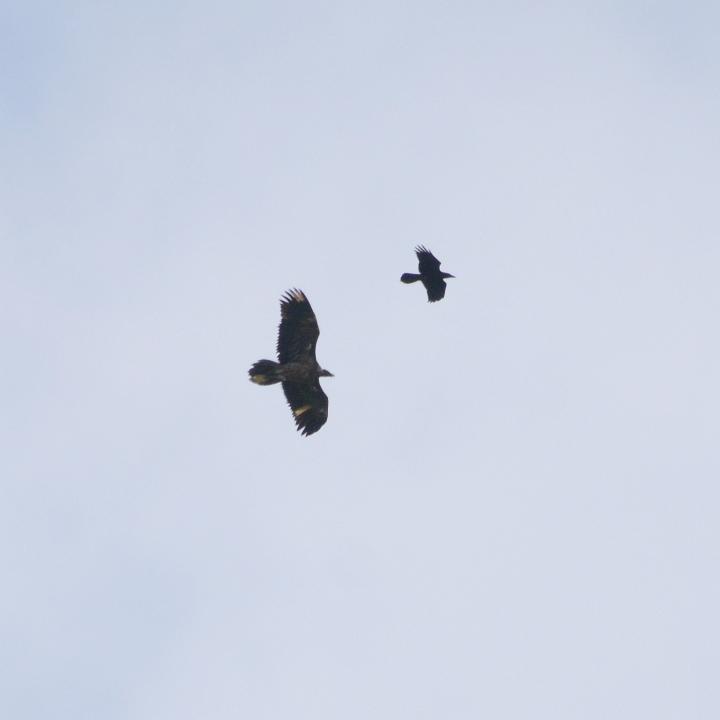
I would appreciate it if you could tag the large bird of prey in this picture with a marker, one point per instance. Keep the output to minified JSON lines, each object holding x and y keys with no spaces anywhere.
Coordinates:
{"x":430,"y":275}
{"x":297,"y":369}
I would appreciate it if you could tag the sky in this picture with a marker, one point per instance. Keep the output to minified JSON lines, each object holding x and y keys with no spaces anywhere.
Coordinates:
{"x":512,"y":511}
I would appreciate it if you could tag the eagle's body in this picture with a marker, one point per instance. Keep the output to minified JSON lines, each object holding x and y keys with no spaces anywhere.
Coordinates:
{"x":297,"y":369}
{"x":430,"y":275}
{"x":269,"y":372}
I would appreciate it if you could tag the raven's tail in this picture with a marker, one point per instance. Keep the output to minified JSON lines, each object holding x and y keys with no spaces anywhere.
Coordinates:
{"x":409,"y":277}
{"x":265,"y":372}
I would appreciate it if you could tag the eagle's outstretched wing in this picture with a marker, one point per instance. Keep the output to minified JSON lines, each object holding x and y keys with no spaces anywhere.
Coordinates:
{"x":309,"y":405}
{"x":299,"y":330}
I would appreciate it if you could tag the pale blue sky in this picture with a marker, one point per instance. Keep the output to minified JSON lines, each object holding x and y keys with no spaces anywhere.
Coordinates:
{"x":512,"y":510}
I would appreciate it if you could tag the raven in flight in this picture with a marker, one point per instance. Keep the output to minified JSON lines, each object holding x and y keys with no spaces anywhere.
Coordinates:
{"x":430,"y":275}
{"x":298,"y":370}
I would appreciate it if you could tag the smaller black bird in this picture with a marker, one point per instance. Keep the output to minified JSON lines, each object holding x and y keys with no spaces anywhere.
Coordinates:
{"x":430,"y":275}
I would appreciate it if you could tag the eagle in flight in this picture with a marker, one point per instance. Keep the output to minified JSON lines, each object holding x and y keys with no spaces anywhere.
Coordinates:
{"x":430,"y":275}
{"x":297,"y":369}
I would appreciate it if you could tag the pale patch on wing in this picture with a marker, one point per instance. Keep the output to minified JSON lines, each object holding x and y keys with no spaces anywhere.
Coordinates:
{"x":301,"y":410}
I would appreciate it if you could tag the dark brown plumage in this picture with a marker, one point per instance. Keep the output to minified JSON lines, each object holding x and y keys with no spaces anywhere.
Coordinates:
{"x":430,"y":275}
{"x":297,"y":369}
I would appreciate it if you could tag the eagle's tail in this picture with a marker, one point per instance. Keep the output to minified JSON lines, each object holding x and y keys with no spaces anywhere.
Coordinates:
{"x":409,"y":277}
{"x":265,"y":372}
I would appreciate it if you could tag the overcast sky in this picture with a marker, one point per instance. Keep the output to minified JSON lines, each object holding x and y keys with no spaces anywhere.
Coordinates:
{"x":512,"y":512}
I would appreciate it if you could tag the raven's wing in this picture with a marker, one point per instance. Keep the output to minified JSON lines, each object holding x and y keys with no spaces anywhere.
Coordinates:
{"x":427,"y":262}
{"x":309,"y":405}
{"x":435,"y":288}
{"x":298,"y":331}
